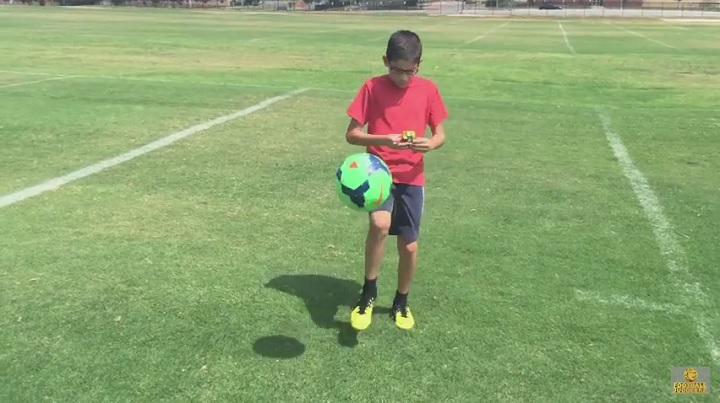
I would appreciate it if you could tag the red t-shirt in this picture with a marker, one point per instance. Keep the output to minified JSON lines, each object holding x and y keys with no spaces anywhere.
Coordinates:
{"x":389,"y":109}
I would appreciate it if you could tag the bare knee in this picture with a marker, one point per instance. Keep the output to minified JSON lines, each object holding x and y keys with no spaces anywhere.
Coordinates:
{"x":380,"y":224}
{"x":407,"y":248}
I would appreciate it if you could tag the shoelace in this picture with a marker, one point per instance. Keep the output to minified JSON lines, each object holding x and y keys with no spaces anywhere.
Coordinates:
{"x":363,"y":304}
{"x":402,"y":309}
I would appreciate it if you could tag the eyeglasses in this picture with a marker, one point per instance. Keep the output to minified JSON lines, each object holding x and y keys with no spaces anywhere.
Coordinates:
{"x":410,"y":72}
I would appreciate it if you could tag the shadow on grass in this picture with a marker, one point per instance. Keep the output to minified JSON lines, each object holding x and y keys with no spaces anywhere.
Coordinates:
{"x":323,"y":296}
{"x":279,"y":347}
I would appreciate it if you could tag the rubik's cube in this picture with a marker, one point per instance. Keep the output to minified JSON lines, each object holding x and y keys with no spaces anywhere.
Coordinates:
{"x":408,"y":135}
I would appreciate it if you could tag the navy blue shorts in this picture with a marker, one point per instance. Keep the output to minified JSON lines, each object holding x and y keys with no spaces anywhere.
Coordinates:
{"x":405,"y":204}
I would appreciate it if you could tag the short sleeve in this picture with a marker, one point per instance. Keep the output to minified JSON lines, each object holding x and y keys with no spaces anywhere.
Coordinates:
{"x":437,"y":111}
{"x":359,"y":106}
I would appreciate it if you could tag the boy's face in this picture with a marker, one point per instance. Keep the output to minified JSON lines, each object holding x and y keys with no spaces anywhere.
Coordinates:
{"x":401,"y":71}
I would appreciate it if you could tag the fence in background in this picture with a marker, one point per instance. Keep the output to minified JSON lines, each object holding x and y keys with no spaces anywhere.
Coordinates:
{"x":553,"y":8}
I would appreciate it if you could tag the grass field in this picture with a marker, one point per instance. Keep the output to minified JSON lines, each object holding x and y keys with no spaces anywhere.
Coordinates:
{"x":222,"y":267}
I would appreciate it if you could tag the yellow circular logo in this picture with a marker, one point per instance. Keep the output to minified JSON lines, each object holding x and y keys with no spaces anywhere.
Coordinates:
{"x":690,"y":374}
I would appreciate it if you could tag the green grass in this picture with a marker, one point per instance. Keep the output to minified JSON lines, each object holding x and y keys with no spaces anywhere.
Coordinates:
{"x":221,"y":268}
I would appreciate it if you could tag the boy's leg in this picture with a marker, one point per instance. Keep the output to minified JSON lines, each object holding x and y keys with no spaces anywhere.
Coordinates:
{"x":378,"y":228}
{"x":410,"y":202}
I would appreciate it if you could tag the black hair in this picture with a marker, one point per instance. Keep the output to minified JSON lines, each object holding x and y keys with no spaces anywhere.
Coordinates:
{"x":404,"y":45}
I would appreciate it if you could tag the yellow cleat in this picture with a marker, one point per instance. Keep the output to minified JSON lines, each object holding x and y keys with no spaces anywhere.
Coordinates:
{"x":402,"y":317}
{"x":361,"y":315}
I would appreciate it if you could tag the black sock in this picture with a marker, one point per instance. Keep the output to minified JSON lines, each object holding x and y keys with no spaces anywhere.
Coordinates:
{"x":400,"y":299}
{"x":370,"y":288}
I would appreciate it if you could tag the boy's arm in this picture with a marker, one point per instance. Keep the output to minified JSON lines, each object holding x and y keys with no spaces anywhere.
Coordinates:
{"x":438,"y":136}
{"x":438,"y":113}
{"x":424,"y":144}
{"x":356,"y":135}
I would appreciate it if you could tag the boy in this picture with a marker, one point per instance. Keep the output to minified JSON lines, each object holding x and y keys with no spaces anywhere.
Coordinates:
{"x":391,"y":104}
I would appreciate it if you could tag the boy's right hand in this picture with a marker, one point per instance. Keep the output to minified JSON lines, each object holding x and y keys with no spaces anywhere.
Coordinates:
{"x":396,"y":142}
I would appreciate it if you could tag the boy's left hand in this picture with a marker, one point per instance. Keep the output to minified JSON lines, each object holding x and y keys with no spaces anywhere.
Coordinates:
{"x":421,"y":145}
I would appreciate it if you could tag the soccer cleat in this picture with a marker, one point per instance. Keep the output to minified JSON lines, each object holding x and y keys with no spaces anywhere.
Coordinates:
{"x":402,"y":317}
{"x":361,"y":314}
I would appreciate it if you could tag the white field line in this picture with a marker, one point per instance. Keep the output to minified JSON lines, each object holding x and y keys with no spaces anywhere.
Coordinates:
{"x":215,"y":83}
{"x":628,"y":302}
{"x":55,"y":183}
{"x":692,"y":30}
{"x":567,"y":41}
{"x":143,"y":79}
{"x":336,"y":90}
{"x":30,"y":73}
{"x":160,"y":80}
{"x":692,"y":294}
{"x":477,"y":38}
{"x":675,"y":26}
{"x":35,"y":81}
{"x":641,"y":35}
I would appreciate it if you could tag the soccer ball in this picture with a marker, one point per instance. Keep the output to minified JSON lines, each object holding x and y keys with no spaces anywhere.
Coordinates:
{"x":363,"y":182}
